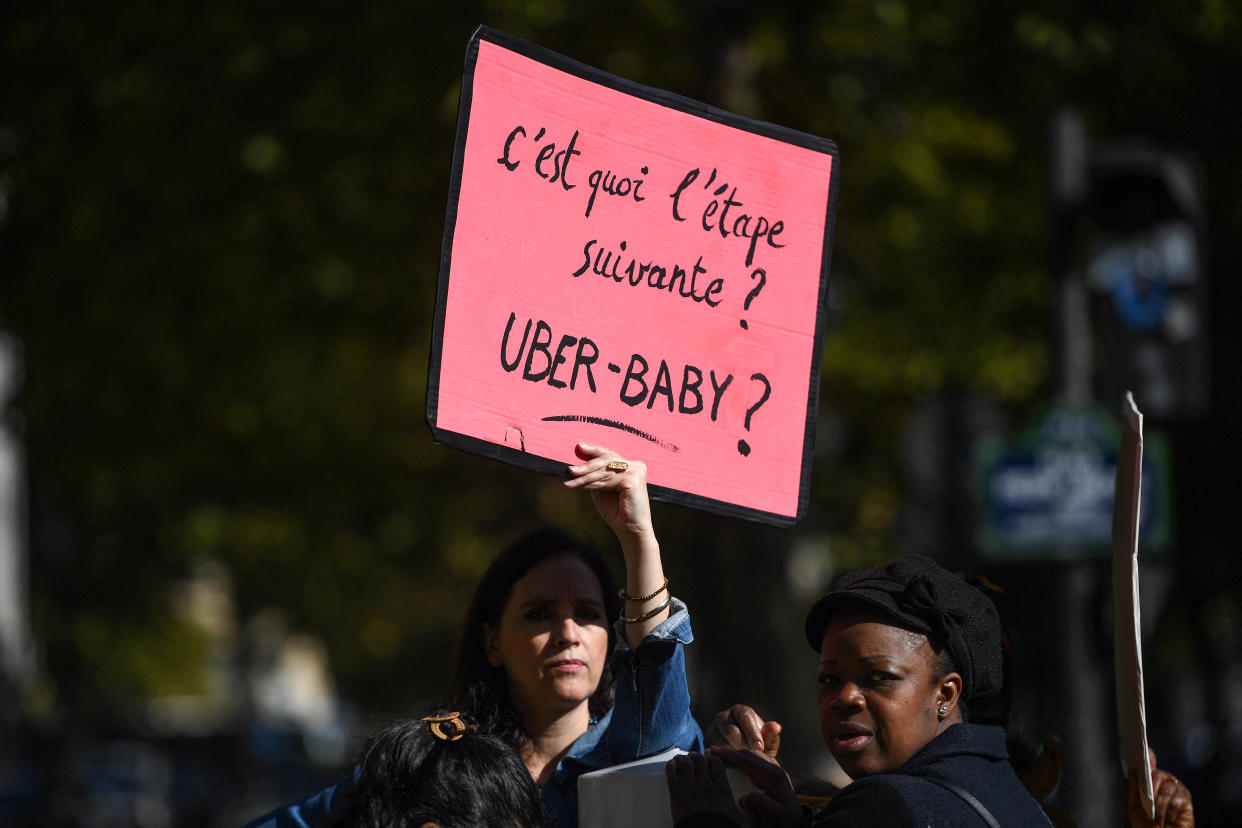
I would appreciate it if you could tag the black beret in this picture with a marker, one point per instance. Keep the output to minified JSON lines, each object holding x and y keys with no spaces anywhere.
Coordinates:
{"x":921,"y":595}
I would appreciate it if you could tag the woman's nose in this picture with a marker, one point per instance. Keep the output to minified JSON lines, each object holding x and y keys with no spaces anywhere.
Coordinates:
{"x":848,"y":697}
{"x":569,"y":630}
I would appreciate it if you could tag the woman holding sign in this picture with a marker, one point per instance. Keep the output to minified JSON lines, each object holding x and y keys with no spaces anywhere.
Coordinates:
{"x":542,"y":664}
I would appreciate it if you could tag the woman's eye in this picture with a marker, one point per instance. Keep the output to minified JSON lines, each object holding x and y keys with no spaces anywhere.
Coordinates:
{"x":589,"y":613}
{"x":536,"y":614}
{"x":828,"y":679}
{"x":881,"y":678}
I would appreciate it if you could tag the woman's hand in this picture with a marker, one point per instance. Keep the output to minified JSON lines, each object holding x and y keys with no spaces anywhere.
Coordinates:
{"x":697,"y":785}
{"x":741,"y":728}
{"x":618,"y":488}
{"x":620,"y":497}
{"x":1173,"y":806}
{"x":774,"y":805}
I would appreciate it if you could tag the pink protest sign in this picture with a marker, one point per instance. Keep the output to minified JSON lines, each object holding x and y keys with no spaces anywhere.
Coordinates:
{"x":630,"y":268}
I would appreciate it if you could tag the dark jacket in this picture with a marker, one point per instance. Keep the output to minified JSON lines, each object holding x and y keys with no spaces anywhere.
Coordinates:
{"x":969,"y":757}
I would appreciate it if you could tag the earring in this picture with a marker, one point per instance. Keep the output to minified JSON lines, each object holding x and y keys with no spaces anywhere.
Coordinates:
{"x":942,"y":710}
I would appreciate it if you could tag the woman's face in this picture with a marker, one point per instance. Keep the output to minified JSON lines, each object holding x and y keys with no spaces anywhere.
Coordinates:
{"x":552,"y":638}
{"x":879,"y":690}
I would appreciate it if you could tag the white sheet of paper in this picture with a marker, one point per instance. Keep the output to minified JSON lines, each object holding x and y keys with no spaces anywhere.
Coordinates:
{"x":636,"y":793}
{"x":1127,"y":644}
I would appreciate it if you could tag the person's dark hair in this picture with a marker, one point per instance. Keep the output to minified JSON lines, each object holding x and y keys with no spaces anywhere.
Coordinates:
{"x":481,"y":688}
{"x":407,"y":776}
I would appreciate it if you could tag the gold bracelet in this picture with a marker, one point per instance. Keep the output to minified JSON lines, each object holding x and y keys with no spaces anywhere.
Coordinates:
{"x":624,"y":596}
{"x":649,"y":614}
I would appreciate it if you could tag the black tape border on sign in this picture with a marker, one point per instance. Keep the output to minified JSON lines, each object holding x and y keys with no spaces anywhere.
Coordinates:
{"x":505,"y":454}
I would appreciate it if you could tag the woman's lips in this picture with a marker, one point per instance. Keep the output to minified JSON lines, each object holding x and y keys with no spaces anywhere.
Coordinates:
{"x":572,"y":665}
{"x":850,"y":738}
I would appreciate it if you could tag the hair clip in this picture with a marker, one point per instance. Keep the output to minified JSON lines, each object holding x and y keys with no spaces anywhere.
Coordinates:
{"x":457,"y":728}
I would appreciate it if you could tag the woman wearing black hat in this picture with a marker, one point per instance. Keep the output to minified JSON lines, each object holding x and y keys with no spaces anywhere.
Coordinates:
{"x":904,"y":647}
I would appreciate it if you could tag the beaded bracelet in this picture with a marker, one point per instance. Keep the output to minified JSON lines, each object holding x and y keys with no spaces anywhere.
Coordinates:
{"x":624,"y":596}
{"x":649,"y":614}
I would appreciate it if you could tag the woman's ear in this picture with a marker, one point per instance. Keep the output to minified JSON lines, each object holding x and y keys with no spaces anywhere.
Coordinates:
{"x":948,"y":694}
{"x":490,"y":649}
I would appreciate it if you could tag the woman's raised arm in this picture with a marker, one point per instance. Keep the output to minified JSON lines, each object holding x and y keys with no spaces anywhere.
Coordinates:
{"x":618,"y":489}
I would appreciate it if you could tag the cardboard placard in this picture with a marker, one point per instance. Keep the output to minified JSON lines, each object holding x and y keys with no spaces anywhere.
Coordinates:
{"x":1127,"y":626}
{"x":630,"y":268}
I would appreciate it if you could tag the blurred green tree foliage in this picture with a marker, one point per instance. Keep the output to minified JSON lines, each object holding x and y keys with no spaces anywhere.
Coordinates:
{"x":221,"y":246}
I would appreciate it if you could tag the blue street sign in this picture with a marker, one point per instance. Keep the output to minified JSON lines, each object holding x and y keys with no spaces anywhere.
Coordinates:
{"x":1050,"y":493}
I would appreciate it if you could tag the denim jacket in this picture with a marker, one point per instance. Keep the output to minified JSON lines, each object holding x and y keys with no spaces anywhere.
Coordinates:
{"x":650,"y":714}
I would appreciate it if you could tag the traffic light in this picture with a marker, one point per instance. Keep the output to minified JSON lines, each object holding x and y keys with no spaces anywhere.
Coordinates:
{"x":1146,"y":280}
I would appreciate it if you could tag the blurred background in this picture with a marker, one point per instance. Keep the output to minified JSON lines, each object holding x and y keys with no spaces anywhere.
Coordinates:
{"x":229,"y":548}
